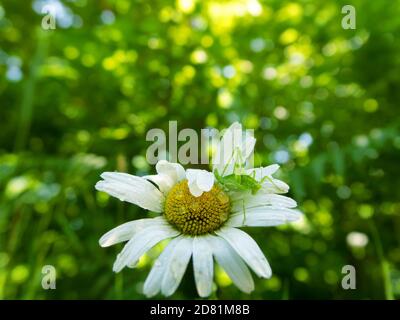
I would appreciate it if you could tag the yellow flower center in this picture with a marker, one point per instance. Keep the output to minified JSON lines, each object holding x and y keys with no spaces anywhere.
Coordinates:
{"x":196,"y":215}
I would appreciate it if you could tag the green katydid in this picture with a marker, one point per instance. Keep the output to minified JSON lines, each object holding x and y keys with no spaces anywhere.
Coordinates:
{"x":239,"y":180}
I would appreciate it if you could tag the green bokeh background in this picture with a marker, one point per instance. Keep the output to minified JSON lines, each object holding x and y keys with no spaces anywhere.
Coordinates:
{"x":78,"y":100}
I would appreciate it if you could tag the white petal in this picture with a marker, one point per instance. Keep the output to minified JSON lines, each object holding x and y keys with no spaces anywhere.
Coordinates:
{"x":205,"y":180}
{"x":233,"y":147}
{"x":163,"y":181}
{"x":152,"y":285}
{"x":168,"y":175}
{"x":247,"y":249}
{"x":224,"y":159}
{"x":133,"y":189}
{"x":203,"y":266}
{"x":260,"y":173}
{"x":199,"y":181}
{"x":262,"y":199}
{"x":231,"y":262}
{"x":269,"y":184}
{"x":141,"y":242}
{"x":173,"y":170}
{"x":263,"y":217}
{"x":191,"y":175}
{"x":195,"y":190}
{"x":275,"y":186}
{"x":248,"y":146}
{"x":179,"y":260}
{"x":125,"y":231}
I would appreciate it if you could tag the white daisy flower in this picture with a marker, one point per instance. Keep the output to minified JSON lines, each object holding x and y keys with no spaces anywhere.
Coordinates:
{"x":201,"y":212}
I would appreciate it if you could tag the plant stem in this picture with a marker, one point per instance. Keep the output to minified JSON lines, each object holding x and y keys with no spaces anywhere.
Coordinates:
{"x":387,"y":284}
{"x":26,"y":111}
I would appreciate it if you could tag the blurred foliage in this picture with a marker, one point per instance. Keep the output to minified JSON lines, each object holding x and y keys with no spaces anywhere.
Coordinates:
{"x":78,"y":100}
